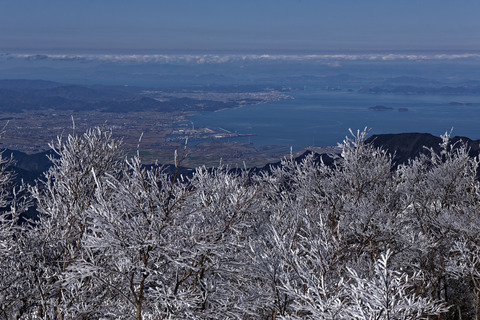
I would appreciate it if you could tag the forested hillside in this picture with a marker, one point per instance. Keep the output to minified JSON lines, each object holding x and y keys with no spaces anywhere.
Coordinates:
{"x":361,"y":238}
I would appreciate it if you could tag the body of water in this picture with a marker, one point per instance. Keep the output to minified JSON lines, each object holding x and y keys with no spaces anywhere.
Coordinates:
{"x":322,"y":118}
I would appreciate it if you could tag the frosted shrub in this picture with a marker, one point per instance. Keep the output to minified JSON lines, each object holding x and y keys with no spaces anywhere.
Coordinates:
{"x":389,"y":294}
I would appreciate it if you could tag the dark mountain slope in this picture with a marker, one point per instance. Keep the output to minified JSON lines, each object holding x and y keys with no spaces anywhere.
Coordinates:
{"x":22,"y":84}
{"x":407,"y":146}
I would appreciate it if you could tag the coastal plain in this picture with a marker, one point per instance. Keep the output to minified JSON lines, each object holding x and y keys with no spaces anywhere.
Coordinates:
{"x":152,"y":122}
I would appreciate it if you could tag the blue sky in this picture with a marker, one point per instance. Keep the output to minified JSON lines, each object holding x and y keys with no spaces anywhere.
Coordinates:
{"x":239,"y":26}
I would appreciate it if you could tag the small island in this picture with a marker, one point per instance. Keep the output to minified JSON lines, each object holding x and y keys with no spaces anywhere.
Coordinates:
{"x":380,"y":108}
{"x":456,"y":103}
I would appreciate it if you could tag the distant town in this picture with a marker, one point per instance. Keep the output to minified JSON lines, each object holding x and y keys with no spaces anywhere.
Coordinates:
{"x":39,"y":111}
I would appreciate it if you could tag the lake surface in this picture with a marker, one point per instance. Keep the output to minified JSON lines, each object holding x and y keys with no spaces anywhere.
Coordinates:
{"x":322,"y":118}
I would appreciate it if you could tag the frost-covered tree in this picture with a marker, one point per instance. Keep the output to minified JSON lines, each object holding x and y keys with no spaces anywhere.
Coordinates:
{"x":464,"y":265}
{"x":166,"y":246}
{"x":134,"y":232}
{"x":14,"y":299}
{"x":369,"y":208}
{"x":351,"y":237}
{"x":62,"y":198}
{"x":440,"y":192}
{"x":323,"y":218}
{"x":388,"y":295}
{"x":296,"y":227}
{"x":228,"y":215}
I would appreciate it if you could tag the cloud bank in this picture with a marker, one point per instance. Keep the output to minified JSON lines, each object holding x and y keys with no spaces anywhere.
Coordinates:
{"x":329,"y":59}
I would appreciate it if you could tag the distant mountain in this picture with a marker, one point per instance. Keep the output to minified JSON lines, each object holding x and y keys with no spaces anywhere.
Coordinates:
{"x":21,"y":84}
{"x":36,"y":162}
{"x":29,"y":167}
{"x":327,"y":159}
{"x":409,"y":89}
{"x":87,"y":93}
{"x":141,"y":103}
{"x":405,"y":146}
{"x":17,"y":95}
{"x":20,"y":95}
{"x":406,"y":80}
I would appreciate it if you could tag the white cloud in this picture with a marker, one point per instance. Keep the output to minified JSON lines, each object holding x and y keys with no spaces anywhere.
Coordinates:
{"x":328,"y":59}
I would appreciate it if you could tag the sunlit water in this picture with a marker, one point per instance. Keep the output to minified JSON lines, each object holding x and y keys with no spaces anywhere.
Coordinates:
{"x":322,"y":118}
